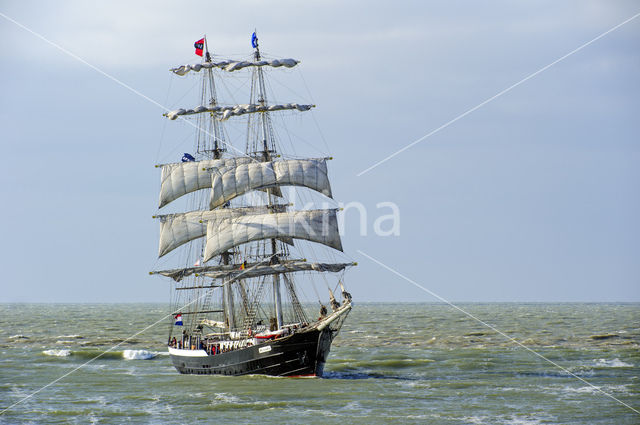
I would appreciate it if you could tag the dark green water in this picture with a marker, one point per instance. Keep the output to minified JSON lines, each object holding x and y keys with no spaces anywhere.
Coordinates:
{"x":405,"y":363}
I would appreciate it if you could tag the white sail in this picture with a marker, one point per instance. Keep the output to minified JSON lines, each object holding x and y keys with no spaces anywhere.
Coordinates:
{"x":319,"y":226}
{"x":178,"y":229}
{"x":184,"y":177}
{"x":224,"y":112}
{"x":231,"y":182}
{"x":230,"y":65}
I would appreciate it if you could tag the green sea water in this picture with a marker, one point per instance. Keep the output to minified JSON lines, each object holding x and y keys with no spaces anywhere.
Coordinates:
{"x":392,"y":363}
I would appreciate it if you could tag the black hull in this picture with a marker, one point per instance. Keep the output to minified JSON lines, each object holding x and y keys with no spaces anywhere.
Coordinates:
{"x":300,"y":354}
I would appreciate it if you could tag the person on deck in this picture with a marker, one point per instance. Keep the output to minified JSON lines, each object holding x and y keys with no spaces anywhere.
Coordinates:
{"x":323,"y":312}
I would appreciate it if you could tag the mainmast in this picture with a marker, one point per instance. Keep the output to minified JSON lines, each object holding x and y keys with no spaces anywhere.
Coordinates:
{"x":266,"y":154}
{"x":262,"y":101}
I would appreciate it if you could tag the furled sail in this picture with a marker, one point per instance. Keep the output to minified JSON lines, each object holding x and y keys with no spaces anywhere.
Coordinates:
{"x":179,"y":274}
{"x":319,"y":226}
{"x":184,"y":177}
{"x":224,"y":112}
{"x":263,"y":270}
{"x":231,"y":182}
{"x":230,"y":65}
{"x":253,"y":269}
{"x":178,"y":229}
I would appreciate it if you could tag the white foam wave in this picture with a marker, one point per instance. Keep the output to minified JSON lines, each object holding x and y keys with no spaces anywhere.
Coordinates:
{"x":587,"y":390}
{"x":70,"y":336}
{"x":57,"y":353}
{"x":514,"y":420}
{"x":18,"y":336}
{"x":226,"y":398}
{"x":138,"y":354}
{"x":59,"y":342}
{"x":623,"y":389}
{"x":511,"y":420}
{"x":611,"y":363}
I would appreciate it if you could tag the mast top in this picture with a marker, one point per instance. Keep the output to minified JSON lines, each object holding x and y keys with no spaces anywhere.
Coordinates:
{"x":254,"y":44}
{"x":207,"y":56}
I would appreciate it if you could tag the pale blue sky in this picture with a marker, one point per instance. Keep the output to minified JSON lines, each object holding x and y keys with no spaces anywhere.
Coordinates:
{"x":533,"y":197}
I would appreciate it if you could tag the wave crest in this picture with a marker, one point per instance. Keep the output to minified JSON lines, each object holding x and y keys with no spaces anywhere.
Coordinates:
{"x":612,"y":363}
{"x":57,"y":353}
{"x":138,"y":354}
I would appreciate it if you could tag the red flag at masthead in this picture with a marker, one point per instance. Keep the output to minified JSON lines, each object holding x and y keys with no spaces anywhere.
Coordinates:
{"x":199,"y":45}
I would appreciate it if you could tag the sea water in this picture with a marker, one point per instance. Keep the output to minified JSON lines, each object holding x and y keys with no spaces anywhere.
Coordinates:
{"x":404,"y":363}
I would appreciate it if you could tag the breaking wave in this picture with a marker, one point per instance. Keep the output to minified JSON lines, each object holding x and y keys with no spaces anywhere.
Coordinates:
{"x":57,"y":353}
{"x":611,"y":363}
{"x":110,"y":355}
{"x":138,"y":354}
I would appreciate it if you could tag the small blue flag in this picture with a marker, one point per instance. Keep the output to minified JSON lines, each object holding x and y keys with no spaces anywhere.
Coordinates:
{"x":254,"y":40}
{"x":187,"y":158}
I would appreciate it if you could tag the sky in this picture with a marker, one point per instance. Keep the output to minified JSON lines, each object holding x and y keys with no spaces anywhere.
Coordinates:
{"x":532,"y":197}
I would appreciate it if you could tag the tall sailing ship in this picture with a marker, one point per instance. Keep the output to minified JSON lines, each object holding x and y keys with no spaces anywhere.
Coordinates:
{"x":236,"y":302}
